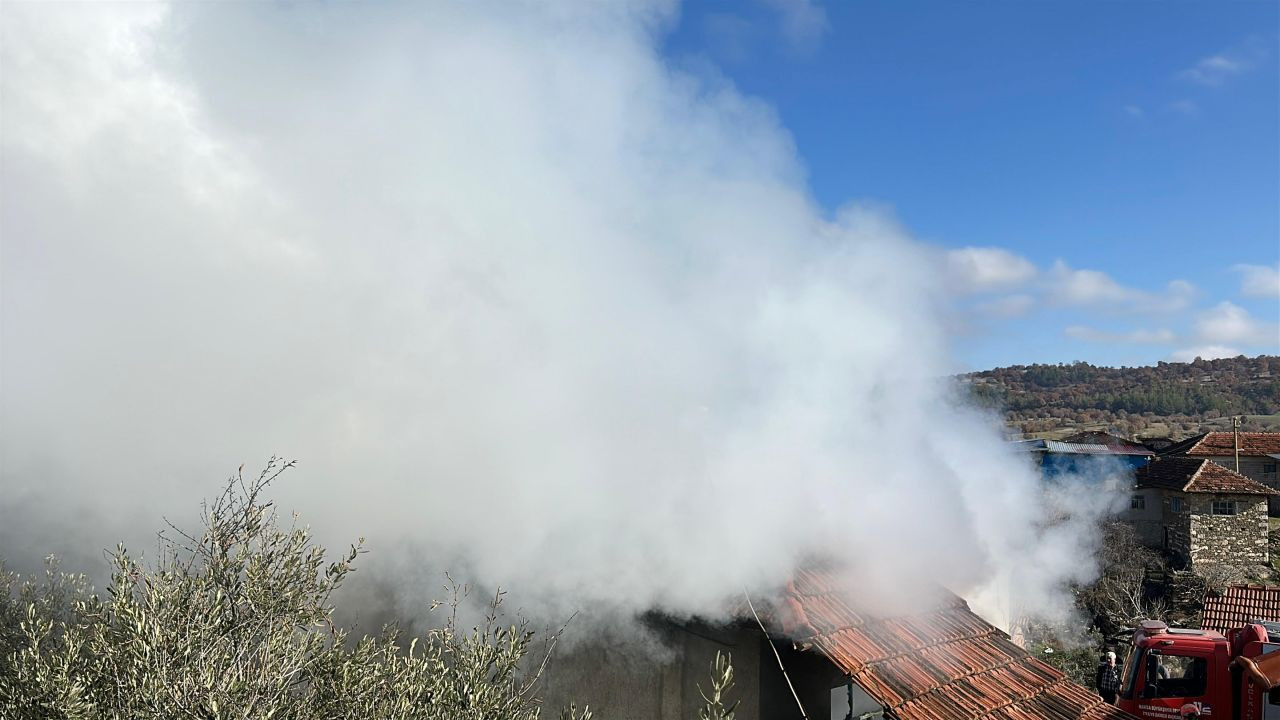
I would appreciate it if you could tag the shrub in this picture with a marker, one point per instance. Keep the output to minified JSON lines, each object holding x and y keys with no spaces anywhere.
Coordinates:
{"x":237,"y":622}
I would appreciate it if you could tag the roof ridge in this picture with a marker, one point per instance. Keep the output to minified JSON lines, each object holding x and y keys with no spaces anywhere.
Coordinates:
{"x":1195,"y":475}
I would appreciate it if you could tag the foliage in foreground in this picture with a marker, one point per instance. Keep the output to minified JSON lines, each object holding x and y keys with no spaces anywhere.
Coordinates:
{"x":237,"y":622}
{"x":1076,"y":657}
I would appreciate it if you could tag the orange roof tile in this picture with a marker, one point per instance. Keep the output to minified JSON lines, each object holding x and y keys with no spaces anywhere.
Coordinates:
{"x":1240,"y":604}
{"x":1219,"y":444}
{"x":944,"y":664}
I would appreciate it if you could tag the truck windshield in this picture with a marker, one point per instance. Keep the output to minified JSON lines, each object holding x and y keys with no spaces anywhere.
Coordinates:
{"x":1175,"y":676}
{"x":1130,"y":669}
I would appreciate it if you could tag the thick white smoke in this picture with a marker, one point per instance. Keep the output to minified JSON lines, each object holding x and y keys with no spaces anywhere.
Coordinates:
{"x":518,"y":293}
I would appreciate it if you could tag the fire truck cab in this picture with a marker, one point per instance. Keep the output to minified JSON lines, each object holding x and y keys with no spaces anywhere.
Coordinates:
{"x":1168,"y":668}
{"x":1230,"y":677}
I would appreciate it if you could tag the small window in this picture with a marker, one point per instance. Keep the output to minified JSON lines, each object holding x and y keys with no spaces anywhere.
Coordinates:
{"x":1224,"y":507}
{"x":1175,"y":504}
{"x":1138,"y":502}
{"x":1269,"y":468}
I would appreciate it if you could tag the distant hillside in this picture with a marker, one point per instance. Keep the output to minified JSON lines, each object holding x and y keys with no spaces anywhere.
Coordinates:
{"x":1169,"y":399}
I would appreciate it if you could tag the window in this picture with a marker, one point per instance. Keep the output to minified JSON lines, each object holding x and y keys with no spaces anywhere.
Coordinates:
{"x":1138,"y":502}
{"x":1175,"y":676}
{"x":1175,"y":504}
{"x":1224,"y":507}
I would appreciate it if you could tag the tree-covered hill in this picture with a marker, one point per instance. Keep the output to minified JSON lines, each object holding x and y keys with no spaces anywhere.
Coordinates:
{"x":1167,"y":399}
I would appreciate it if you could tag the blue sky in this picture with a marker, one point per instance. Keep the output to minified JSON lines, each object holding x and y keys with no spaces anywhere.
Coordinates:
{"x":1107,"y":174}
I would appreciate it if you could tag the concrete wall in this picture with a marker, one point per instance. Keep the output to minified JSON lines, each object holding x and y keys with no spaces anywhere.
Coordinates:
{"x":659,"y":679}
{"x":1239,"y":540}
{"x":1177,"y":526}
{"x":1148,"y":522}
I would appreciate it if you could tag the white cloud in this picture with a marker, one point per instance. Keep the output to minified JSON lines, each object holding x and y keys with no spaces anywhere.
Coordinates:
{"x":1259,"y":281}
{"x":1134,"y":337}
{"x":1229,"y":323}
{"x":1008,"y":306}
{"x":1215,"y":69}
{"x":987,"y":269}
{"x":1083,"y":287}
{"x":1133,"y":111}
{"x":1228,"y":330}
{"x":804,"y":22}
{"x":1185,"y":106}
{"x":1204,"y":352}
{"x":1067,"y":286}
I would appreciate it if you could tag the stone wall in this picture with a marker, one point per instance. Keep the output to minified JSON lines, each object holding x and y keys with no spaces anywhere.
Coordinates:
{"x":1239,"y":540}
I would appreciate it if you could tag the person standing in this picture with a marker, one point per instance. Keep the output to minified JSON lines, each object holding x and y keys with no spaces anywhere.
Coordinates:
{"x":1108,"y":678}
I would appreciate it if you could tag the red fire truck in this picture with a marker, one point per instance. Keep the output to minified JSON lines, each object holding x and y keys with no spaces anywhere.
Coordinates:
{"x":1231,"y":677}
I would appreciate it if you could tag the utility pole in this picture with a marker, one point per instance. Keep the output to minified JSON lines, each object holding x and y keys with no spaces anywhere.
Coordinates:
{"x":1235,"y":438}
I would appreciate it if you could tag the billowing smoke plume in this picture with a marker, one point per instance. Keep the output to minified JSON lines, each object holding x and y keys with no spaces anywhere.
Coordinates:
{"x":523,"y":297}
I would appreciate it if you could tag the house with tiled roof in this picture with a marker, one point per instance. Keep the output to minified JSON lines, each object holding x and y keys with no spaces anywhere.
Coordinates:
{"x":1259,"y":453}
{"x":813,"y":648}
{"x":1201,"y":513}
{"x":1236,"y":605}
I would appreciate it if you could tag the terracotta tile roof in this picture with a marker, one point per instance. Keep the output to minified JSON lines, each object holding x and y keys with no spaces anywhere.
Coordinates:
{"x":1220,"y":444}
{"x":1239,"y":604}
{"x":944,"y":664}
{"x":1196,"y":475}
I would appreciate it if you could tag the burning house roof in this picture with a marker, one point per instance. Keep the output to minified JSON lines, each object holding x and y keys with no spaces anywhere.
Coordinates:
{"x":1240,"y":604}
{"x":945,"y":664}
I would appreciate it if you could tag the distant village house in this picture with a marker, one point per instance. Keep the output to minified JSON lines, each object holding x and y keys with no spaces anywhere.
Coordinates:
{"x":1258,"y":454}
{"x":1201,"y":513}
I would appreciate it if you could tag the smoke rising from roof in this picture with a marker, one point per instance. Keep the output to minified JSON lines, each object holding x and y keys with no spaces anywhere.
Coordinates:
{"x":519,"y":293}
